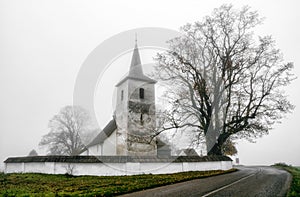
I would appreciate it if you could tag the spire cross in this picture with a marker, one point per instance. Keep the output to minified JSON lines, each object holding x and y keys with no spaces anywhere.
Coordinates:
{"x":135,"y":38}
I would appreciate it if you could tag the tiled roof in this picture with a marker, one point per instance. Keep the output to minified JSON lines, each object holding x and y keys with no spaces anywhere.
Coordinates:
{"x":115,"y":159}
{"x":160,"y":142}
{"x":136,"y":69}
{"x":104,"y":134}
{"x":190,"y":152}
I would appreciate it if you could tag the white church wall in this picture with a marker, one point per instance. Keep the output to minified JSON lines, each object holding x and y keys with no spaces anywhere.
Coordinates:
{"x":141,"y":119}
{"x":109,"y":145}
{"x":95,"y":150}
{"x":121,"y":114}
{"x":115,"y":169}
{"x":133,"y":91}
{"x":107,"y":148}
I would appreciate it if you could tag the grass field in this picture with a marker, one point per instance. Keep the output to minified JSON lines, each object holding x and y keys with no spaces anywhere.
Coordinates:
{"x":30,"y":184}
{"x":295,"y":185}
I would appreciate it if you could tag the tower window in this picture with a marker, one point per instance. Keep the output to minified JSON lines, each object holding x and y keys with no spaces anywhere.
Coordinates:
{"x":141,"y":119}
{"x":122,"y":95}
{"x":142,"y":93}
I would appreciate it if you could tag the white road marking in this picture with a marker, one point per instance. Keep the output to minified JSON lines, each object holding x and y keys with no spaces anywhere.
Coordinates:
{"x":226,"y":186}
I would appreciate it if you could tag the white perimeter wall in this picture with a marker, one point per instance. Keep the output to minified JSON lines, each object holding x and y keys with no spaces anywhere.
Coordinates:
{"x":111,"y":169}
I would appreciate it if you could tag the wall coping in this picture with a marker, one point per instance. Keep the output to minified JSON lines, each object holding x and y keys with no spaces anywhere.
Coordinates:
{"x":116,"y":159}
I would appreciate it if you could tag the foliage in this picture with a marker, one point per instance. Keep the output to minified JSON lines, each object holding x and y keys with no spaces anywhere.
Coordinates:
{"x":33,"y":153}
{"x":65,"y":185}
{"x":294,"y":190}
{"x":223,"y":83}
{"x":228,"y":148}
{"x":67,"y":130}
{"x":281,"y":164}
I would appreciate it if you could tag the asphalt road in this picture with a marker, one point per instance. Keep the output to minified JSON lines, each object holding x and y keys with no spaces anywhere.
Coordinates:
{"x":248,"y":181}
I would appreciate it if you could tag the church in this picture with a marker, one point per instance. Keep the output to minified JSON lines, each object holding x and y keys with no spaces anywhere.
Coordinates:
{"x":131,"y":132}
{"x":127,"y":145}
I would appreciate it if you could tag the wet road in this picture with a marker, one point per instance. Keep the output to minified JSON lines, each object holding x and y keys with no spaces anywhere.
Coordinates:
{"x":248,"y":181}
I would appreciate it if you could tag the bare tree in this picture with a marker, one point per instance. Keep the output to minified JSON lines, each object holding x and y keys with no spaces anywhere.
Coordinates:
{"x":70,"y":168}
{"x":67,"y":129}
{"x":223,"y":82}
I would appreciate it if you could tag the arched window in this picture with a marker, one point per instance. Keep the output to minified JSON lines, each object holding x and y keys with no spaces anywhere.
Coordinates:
{"x":142,"y":93}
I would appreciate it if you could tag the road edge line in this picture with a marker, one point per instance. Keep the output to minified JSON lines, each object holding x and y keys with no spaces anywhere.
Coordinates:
{"x":226,"y":186}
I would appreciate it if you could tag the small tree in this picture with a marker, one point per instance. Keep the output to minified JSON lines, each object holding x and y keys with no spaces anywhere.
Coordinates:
{"x":33,"y":153}
{"x":66,"y":129}
{"x":223,"y":83}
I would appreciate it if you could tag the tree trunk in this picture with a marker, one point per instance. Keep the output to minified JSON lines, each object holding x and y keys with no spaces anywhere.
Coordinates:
{"x":217,"y":147}
{"x":215,"y":150}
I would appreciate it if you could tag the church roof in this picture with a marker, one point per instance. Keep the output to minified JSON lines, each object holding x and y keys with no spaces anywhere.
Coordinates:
{"x":160,"y":142}
{"x":136,"y":69}
{"x":104,"y":134}
{"x":115,"y":159}
{"x":190,"y":152}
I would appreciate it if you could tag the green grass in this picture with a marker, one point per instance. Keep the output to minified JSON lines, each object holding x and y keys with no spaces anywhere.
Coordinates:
{"x":295,"y":185}
{"x":31,"y":184}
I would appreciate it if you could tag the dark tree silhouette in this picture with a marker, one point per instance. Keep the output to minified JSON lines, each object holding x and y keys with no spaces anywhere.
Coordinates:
{"x":33,"y":153}
{"x":228,"y":148}
{"x":223,"y":82}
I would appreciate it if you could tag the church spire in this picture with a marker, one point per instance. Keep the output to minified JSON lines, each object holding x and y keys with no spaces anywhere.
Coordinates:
{"x":136,"y":69}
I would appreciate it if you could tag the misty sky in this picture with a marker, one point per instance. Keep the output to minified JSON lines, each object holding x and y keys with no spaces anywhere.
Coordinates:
{"x":44,"y":43}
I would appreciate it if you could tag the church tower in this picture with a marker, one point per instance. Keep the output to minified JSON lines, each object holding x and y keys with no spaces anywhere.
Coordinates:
{"x":135,"y":111}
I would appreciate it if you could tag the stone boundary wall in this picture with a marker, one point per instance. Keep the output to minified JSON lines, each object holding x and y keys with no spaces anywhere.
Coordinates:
{"x":114,"y":165}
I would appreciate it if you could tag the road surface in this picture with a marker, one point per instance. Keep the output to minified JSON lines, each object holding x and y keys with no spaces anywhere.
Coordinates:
{"x":248,"y":181}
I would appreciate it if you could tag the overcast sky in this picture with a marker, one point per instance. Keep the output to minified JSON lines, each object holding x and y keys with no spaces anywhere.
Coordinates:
{"x":44,"y":43}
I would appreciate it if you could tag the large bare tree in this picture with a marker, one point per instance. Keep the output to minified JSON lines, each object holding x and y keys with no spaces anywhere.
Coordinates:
{"x":68,"y":131}
{"x":223,"y":82}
